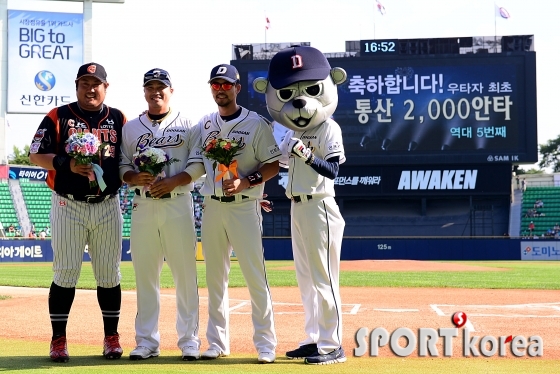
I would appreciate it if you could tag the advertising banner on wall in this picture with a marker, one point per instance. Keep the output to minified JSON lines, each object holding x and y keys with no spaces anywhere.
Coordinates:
{"x":411,"y":181}
{"x":41,"y":251}
{"x":43,"y":49}
{"x":540,"y":250}
{"x":35,"y":174}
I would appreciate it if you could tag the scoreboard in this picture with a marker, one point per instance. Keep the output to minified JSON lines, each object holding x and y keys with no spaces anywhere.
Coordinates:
{"x":428,"y":109}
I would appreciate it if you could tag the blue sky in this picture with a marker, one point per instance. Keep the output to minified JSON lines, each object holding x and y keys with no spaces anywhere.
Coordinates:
{"x":189,"y":38}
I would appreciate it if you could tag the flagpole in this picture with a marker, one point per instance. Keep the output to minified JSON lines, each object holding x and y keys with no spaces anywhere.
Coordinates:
{"x":495,"y":33}
{"x":374,"y":6}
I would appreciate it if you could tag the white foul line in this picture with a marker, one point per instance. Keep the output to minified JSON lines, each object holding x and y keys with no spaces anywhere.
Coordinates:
{"x":397,"y":310}
{"x":240,"y":305}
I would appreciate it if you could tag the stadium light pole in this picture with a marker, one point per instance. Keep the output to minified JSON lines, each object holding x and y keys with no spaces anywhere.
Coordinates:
{"x":86,"y":57}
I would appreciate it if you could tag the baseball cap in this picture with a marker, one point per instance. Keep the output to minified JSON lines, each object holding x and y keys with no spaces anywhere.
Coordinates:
{"x":92,"y":69}
{"x":224,"y":71}
{"x":157,"y":75}
{"x":296,"y":64}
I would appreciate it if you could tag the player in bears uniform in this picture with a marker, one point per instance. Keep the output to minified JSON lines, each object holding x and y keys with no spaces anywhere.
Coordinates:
{"x":162,"y":219}
{"x":232,"y":216}
{"x":301,"y":94}
{"x":81,"y":215}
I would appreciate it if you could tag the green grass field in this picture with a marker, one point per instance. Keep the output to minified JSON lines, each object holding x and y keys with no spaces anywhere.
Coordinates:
{"x":518,"y":274}
{"x":29,"y":357}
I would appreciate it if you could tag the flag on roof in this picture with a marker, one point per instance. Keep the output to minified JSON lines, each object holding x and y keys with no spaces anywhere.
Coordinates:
{"x":267,"y":24}
{"x":502,"y":12}
{"x":380,"y":7}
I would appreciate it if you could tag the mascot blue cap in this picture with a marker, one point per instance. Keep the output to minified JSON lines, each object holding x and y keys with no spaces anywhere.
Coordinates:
{"x":296,"y":64}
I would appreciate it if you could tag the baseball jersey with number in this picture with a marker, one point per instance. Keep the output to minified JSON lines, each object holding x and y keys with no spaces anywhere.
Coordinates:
{"x":258,"y":147}
{"x":172,"y":134}
{"x":325,"y":141}
{"x":66,"y":120}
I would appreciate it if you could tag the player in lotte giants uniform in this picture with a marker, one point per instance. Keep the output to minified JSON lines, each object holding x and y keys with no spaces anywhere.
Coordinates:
{"x":81,"y":215}
{"x":232,"y":215}
{"x":162,"y":219}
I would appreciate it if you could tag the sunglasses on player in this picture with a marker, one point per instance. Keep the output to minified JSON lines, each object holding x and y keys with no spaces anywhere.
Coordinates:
{"x":224,"y":86}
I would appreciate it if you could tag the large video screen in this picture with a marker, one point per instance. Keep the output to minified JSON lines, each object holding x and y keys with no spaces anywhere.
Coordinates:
{"x":474,"y":108}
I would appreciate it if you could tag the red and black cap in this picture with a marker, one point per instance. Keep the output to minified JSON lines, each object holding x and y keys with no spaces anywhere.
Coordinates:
{"x":92,"y":69}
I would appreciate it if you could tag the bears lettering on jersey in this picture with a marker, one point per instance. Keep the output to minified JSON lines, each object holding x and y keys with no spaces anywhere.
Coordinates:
{"x":148,"y":140}
{"x":216,"y":134}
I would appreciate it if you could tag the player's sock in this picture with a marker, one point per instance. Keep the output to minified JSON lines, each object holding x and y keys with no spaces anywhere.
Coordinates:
{"x":60,"y":302}
{"x":110,"y":303}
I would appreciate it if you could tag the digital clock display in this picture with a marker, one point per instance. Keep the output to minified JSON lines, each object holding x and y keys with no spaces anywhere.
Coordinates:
{"x":379,"y":47}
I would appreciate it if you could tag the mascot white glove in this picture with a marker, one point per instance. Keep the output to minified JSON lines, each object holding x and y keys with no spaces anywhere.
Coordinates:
{"x":298,"y":149}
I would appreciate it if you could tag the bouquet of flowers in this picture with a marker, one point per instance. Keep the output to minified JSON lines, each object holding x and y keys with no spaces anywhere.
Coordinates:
{"x":222,"y":151}
{"x":85,"y":147}
{"x":152,"y":160}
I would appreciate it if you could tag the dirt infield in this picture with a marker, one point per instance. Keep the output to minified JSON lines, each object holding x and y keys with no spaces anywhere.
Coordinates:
{"x":491,"y":312}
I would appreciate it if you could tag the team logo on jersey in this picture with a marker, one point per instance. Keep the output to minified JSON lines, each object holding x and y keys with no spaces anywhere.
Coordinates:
{"x":34,"y":148}
{"x":110,"y":121}
{"x":334,"y":146}
{"x":148,"y":140}
{"x":274,"y":149}
{"x":71,"y":123}
{"x":39,"y":135}
{"x":207,"y":124}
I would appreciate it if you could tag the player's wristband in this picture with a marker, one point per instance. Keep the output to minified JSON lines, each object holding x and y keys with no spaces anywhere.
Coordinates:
{"x":310,"y":159}
{"x":61,"y":163}
{"x":255,"y":178}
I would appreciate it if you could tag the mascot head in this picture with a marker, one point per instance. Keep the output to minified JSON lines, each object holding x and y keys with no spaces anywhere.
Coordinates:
{"x":301,"y":87}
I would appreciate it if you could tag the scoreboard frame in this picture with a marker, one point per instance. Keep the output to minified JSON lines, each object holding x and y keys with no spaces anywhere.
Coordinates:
{"x":470,"y":127}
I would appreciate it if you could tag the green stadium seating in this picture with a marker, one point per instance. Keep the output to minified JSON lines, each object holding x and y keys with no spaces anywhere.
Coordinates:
{"x":8,"y":215}
{"x":551,"y":209}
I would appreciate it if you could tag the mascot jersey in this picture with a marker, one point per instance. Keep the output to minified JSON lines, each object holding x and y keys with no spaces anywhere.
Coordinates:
{"x":325,"y":141}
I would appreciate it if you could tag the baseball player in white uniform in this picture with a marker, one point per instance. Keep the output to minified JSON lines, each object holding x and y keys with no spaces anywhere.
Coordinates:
{"x":232,"y":217}
{"x":162,"y":219}
{"x":301,"y":94}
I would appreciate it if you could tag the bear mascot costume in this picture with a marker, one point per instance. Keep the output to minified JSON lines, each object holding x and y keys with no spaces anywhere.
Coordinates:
{"x":301,"y":94}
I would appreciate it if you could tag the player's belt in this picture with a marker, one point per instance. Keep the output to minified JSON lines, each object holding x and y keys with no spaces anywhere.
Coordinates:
{"x":90,"y":199}
{"x":227,"y":199}
{"x":164,"y":196}
{"x":299,"y":199}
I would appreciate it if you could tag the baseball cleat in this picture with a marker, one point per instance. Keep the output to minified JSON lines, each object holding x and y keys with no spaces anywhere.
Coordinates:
{"x":59,"y":350}
{"x":143,"y":353}
{"x":302,"y":352}
{"x":267,"y":357}
{"x":211,"y":354}
{"x":111,"y":347}
{"x":334,"y":357}
{"x":190,"y":353}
